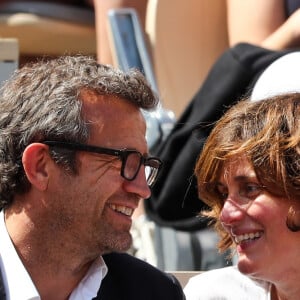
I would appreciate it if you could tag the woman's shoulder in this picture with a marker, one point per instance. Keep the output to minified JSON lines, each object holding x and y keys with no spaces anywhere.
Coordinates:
{"x":227,"y":275}
{"x":225,"y":283}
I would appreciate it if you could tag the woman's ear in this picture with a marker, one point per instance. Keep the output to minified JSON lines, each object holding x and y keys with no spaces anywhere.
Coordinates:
{"x":36,"y":161}
{"x":293,"y":219}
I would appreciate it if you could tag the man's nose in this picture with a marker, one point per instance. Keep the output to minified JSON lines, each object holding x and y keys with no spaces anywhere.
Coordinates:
{"x":231,"y":213}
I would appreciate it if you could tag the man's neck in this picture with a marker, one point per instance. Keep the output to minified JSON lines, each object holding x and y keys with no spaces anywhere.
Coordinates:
{"x":54,"y":269}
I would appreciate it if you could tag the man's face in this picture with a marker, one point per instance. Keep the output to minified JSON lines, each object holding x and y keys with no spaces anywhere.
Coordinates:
{"x":97,"y":204}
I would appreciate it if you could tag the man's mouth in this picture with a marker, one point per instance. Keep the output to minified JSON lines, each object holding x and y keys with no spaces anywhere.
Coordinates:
{"x":127,"y":211}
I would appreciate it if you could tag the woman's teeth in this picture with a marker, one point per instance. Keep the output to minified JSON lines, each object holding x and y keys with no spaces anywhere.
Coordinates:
{"x":248,"y":236}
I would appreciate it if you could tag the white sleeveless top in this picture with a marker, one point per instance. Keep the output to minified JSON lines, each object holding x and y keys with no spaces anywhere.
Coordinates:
{"x":226,"y":284}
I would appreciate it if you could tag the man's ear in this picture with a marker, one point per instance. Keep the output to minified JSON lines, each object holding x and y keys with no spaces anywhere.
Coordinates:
{"x":36,"y":161}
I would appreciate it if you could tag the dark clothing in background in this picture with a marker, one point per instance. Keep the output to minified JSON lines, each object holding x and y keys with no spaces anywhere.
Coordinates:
{"x":174,"y":201}
{"x":291,"y":6}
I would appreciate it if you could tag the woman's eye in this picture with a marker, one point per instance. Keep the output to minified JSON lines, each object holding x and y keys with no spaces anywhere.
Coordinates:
{"x":223,"y":196}
{"x":251,"y":190}
{"x":222,"y":193}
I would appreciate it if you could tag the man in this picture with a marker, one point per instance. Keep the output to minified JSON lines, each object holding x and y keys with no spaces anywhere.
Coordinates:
{"x":73,"y":168}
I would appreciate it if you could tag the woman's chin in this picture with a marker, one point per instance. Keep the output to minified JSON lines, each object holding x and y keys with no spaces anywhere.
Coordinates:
{"x":246,"y":266}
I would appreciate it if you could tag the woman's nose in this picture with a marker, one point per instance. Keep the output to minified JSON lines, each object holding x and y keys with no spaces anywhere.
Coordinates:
{"x":231,"y":213}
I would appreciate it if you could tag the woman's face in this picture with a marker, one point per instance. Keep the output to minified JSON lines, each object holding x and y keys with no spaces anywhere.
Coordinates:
{"x":256,"y":221}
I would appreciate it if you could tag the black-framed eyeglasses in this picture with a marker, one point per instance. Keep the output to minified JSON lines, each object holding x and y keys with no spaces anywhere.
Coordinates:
{"x":132,"y":160}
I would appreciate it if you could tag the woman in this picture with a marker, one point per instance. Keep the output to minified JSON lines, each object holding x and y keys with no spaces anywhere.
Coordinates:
{"x":249,"y":174}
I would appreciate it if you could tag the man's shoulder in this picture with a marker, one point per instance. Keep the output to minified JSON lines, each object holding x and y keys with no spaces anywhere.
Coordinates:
{"x":130,"y":264}
{"x":122,"y":264}
{"x":131,"y":278}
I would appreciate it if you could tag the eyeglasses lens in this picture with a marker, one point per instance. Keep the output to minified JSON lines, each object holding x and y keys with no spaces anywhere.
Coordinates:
{"x":132,"y":166}
{"x":150,"y":174}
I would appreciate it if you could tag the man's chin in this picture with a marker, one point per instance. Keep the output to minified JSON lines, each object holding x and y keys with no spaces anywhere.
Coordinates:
{"x":120,"y":244}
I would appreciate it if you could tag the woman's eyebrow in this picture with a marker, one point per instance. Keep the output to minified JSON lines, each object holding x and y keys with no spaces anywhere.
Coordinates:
{"x":239,"y":178}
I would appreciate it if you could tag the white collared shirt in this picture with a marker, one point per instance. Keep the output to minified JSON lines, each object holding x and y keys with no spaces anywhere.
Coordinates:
{"x":18,"y":284}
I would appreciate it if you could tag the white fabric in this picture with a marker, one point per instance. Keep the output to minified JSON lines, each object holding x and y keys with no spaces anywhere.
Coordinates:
{"x":90,"y":284}
{"x":282,"y":76}
{"x":226,"y":284}
{"x":18,"y":284}
{"x":142,"y":232}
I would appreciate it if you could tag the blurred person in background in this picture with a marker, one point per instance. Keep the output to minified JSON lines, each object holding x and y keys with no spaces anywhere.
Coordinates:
{"x":272,"y":24}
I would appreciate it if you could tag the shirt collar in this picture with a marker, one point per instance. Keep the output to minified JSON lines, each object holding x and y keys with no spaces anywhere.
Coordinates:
{"x":90,"y":284}
{"x":18,"y":284}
